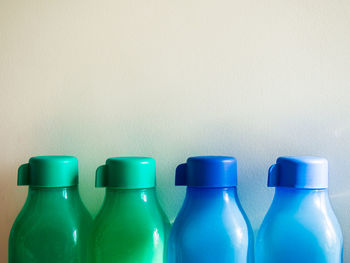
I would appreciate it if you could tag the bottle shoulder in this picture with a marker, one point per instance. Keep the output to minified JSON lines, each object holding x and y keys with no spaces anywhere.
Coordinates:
{"x":109,"y":218}
{"x":218,"y":232}
{"x":33,"y":219}
{"x":42,"y":236}
{"x":227,"y":223}
{"x":301,"y":223}
{"x":120,"y":218}
{"x":315,"y":239}
{"x":127,"y":226}
{"x":213,"y":211}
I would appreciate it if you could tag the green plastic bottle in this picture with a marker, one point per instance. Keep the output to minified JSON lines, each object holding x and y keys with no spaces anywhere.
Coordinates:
{"x":53,"y":226}
{"x":131,"y":226}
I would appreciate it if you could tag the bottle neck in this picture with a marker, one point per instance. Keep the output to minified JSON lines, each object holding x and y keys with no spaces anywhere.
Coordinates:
{"x":48,"y":196}
{"x":117,"y":198}
{"x":218,"y":200}
{"x":210,"y":195}
{"x":287,"y":196}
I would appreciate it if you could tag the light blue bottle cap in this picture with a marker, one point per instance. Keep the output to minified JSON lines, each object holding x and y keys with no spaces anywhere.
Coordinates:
{"x":306,"y":172}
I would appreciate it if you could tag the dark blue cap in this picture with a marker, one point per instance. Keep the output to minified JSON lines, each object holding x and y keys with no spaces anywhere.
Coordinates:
{"x":207,"y":171}
{"x":299,"y":172}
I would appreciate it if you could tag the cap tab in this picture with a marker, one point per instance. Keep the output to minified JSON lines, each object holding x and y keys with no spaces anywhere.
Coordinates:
{"x":127,"y":173}
{"x":181,"y":174}
{"x":299,"y":172}
{"x":101,"y":177}
{"x":23,"y":174}
{"x":49,"y":171}
{"x":207,"y":171}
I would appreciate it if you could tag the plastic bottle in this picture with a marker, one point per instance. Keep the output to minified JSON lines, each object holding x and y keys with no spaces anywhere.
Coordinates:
{"x":131,"y":226}
{"x":53,"y":226}
{"x":211,"y":225}
{"x":300,"y":225}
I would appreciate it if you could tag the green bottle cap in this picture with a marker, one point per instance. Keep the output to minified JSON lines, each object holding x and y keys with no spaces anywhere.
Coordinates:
{"x":49,"y":171}
{"x":127,"y":173}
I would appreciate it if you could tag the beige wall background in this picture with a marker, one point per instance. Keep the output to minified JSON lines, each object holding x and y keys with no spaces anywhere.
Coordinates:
{"x":255,"y":79}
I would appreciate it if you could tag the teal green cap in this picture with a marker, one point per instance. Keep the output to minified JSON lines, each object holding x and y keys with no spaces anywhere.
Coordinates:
{"x":49,"y":171}
{"x":127,"y":173}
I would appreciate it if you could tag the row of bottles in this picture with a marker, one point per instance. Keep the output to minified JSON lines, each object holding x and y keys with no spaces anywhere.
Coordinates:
{"x":54,"y":226}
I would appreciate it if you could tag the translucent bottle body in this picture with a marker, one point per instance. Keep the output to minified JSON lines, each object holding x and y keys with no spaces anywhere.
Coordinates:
{"x":300,"y":226}
{"x":53,"y":226}
{"x":131,"y":227}
{"x":211,"y":227}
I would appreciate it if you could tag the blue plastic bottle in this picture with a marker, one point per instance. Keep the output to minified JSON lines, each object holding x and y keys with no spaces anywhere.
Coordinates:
{"x":211,"y":226}
{"x":300,"y":225}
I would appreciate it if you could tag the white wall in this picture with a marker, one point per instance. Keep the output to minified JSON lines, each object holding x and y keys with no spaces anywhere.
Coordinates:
{"x":255,"y":79}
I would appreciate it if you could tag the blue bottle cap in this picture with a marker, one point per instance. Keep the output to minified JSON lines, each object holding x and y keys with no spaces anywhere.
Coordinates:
{"x":207,"y":171}
{"x":299,"y":172}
